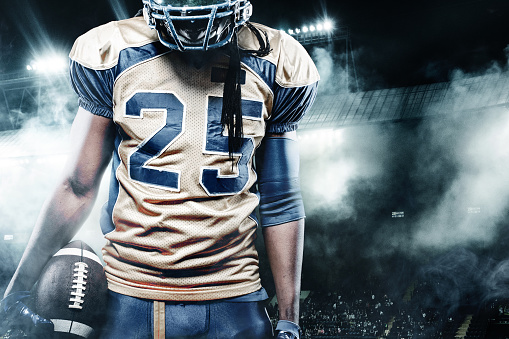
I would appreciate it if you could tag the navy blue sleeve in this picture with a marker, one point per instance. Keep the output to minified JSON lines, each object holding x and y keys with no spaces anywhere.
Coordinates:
{"x":277,"y":167}
{"x":290,"y":105}
{"x":94,"y":88}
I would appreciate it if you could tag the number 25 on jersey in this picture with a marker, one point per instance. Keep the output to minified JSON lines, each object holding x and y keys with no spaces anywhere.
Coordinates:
{"x":162,"y":139}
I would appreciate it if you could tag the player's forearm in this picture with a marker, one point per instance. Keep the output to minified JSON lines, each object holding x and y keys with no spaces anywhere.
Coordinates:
{"x":59,"y":220}
{"x":67,"y":208}
{"x":284,"y":244}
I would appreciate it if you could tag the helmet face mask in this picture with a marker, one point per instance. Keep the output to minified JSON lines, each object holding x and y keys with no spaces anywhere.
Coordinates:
{"x":196,"y":24}
{"x":188,"y":3}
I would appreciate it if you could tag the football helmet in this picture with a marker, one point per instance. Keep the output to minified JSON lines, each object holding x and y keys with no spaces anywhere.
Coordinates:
{"x":196,"y":24}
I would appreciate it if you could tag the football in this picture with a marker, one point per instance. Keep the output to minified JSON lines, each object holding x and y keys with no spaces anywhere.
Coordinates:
{"x":72,"y":291}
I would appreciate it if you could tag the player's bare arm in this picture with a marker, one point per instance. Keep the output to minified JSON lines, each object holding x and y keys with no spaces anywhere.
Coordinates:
{"x":70,"y":203}
{"x":283,"y":218}
{"x":284,"y":244}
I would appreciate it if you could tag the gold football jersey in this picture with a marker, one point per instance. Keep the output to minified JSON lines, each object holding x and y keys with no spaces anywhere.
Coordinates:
{"x":180,"y":221}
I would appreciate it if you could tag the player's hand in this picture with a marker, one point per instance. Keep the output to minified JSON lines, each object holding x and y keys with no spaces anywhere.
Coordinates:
{"x":18,"y":316}
{"x":287,"y":330}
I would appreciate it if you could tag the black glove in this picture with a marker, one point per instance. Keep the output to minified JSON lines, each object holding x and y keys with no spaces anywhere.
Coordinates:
{"x":287,"y":330}
{"x":18,"y":316}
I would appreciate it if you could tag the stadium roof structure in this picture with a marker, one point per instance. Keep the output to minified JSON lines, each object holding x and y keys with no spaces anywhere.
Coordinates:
{"x":466,"y":96}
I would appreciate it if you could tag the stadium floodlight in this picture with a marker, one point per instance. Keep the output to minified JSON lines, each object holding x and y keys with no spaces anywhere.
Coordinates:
{"x":319,"y":32}
{"x":47,"y":65}
{"x":324,"y":27}
{"x":328,"y":25}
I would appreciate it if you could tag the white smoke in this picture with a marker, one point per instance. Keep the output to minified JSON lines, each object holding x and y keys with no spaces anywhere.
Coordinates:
{"x":477,"y":199}
{"x":447,"y":175}
{"x":32,"y":160}
{"x":326,"y":67}
{"x":337,"y":71}
{"x":30,"y":169}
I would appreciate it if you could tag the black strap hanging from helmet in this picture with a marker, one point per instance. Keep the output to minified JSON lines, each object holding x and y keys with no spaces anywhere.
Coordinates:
{"x":231,"y":117}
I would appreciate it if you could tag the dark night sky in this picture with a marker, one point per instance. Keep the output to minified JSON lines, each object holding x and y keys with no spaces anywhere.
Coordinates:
{"x":396,"y":43}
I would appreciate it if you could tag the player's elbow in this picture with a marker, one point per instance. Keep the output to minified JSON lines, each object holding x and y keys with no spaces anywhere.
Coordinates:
{"x":80,"y":188}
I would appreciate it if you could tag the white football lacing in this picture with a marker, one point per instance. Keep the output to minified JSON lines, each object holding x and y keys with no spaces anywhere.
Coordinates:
{"x":78,"y":289}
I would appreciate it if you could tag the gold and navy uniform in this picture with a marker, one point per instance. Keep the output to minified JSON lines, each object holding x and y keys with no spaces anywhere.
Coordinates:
{"x":180,"y":221}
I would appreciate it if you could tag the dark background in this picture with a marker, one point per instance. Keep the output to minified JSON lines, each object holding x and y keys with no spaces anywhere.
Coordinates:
{"x":397,"y":43}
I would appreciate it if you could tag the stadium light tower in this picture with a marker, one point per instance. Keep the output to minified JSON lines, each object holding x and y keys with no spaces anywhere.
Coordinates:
{"x":49,"y":64}
{"x":25,"y":92}
{"x":325,"y":32}
{"x":315,"y":33}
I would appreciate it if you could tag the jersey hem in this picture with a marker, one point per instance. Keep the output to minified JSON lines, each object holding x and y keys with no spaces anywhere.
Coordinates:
{"x":273,"y":222}
{"x":184,"y":294}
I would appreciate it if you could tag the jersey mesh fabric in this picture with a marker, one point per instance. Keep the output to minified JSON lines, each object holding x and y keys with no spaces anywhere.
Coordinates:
{"x":191,"y":234}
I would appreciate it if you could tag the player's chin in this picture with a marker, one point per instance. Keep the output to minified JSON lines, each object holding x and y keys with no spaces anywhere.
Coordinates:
{"x":193,"y":45}
{"x":196,"y":39}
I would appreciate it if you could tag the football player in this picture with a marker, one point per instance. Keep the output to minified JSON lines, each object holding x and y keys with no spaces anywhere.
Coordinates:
{"x":196,"y":108}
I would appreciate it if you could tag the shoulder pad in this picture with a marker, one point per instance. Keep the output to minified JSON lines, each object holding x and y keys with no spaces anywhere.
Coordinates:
{"x":294,"y":65}
{"x":99,"y":48}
